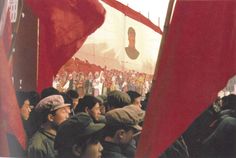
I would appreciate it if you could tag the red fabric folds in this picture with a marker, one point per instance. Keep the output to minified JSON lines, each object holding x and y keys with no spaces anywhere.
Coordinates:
{"x":133,"y":14}
{"x":12,"y":136}
{"x":63,"y":27}
{"x":198,"y":58}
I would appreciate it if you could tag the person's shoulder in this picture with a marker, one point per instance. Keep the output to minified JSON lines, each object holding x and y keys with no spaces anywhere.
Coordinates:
{"x":112,"y":154}
{"x":132,"y":53}
{"x":111,"y":150}
{"x":102,"y":119}
{"x":37,"y":140}
{"x":228,"y":123}
{"x":37,"y":136}
{"x":36,"y":146}
{"x":40,"y":145}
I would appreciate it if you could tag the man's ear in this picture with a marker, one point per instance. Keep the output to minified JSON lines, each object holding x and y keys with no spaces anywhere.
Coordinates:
{"x":76,"y":150}
{"x":120,"y":134}
{"x":50,"y":117}
{"x":86,"y":109}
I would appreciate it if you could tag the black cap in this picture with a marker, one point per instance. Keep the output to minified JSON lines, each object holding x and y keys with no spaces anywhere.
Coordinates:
{"x":78,"y":126}
{"x":133,"y":95}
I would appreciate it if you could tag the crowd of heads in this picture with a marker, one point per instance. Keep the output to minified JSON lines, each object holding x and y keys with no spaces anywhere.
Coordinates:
{"x":102,"y":82}
{"x":61,"y":124}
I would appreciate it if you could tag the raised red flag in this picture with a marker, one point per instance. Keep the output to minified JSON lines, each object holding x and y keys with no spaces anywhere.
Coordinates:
{"x":133,"y":14}
{"x":197,"y":60}
{"x":63,"y":27}
{"x":12,"y":135}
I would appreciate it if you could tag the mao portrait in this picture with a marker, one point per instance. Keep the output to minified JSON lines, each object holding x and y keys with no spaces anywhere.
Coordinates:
{"x":131,"y":51}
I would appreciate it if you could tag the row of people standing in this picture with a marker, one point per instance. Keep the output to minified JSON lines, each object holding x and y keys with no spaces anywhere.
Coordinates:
{"x":103,"y":82}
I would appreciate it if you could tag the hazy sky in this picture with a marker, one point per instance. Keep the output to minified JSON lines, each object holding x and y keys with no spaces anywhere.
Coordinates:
{"x":153,"y":8}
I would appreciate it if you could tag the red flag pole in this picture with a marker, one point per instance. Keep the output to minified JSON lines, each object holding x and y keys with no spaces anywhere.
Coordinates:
{"x":140,"y":150}
{"x":164,"y":34}
{"x":37,"y":60}
{"x":15,"y":31}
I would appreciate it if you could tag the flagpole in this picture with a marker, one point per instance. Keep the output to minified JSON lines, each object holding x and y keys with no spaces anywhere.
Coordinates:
{"x":37,"y":64}
{"x":15,"y":31}
{"x":165,"y":32}
{"x":3,"y":15}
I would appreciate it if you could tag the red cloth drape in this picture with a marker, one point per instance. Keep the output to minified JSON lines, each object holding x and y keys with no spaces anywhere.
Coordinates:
{"x":198,"y":58}
{"x":133,"y":14}
{"x":12,"y":135}
{"x":63,"y":27}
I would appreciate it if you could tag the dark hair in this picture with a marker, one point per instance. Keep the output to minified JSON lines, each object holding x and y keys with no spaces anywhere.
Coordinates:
{"x":72,"y":94}
{"x":82,"y":142}
{"x":21,"y":96}
{"x":66,"y":98}
{"x":49,"y":91}
{"x":78,"y":108}
{"x":32,"y":96}
{"x":229,"y":102}
{"x":87,"y":101}
{"x":110,"y":130}
{"x":90,"y":139}
{"x":133,"y":95}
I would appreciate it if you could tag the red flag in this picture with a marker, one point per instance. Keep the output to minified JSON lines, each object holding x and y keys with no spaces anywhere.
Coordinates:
{"x":133,"y":14}
{"x":63,"y":27}
{"x":197,"y":60}
{"x":12,"y":136}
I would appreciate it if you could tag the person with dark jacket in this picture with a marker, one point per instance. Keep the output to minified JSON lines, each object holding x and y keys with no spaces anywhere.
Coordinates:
{"x":26,"y":102}
{"x":136,"y":98}
{"x":177,"y":150}
{"x":91,"y":105}
{"x":212,"y":134}
{"x":122,"y":126}
{"x":221,"y":143}
{"x":53,"y":111}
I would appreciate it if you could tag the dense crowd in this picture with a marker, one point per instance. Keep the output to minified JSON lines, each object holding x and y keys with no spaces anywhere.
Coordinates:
{"x":65,"y":125}
{"x":102,"y":82}
{"x":61,"y":124}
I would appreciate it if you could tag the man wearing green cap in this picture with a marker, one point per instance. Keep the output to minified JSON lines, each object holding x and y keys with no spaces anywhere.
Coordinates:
{"x":53,"y":111}
{"x":121,"y":128}
{"x":78,"y":137}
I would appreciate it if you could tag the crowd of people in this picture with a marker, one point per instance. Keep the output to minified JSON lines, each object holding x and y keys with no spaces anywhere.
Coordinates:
{"x":63,"y":124}
{"x":102,"y":82}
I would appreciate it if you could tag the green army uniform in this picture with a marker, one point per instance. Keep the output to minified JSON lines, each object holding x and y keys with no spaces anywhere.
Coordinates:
{"x":42,"y":145}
